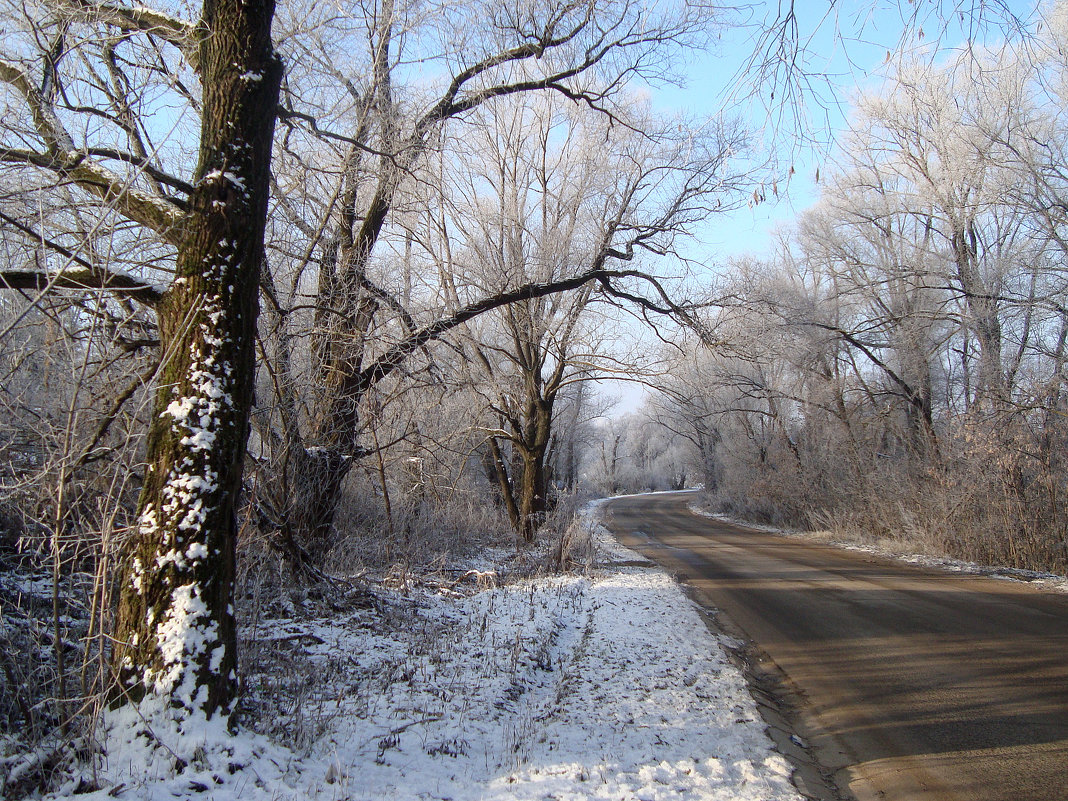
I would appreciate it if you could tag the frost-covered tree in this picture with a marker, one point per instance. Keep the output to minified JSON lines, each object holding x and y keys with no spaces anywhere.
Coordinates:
{"x":887,"y":293}
{"x":542,"y":191}
{"x":373,"y":129}
{"x":685,"y":404}
{"x":527,"y":205}
{"x":938,"y":133}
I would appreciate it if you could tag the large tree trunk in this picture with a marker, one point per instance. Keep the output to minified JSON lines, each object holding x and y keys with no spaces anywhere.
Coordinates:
{"x":533,"y":482}
{"x":532,"y":494}
{"x":706,"y":448}
{"x":919,"y":417}
{"x":175,"y":636}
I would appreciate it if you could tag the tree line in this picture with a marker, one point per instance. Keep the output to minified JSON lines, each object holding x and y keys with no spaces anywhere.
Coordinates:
{"x":896,"y":369}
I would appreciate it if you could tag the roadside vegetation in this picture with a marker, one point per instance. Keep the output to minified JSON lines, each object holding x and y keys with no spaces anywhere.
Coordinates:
{"x":895,"y":371}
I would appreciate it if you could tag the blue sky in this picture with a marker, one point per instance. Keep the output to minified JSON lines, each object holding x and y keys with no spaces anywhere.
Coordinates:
{"x":847,"y":43}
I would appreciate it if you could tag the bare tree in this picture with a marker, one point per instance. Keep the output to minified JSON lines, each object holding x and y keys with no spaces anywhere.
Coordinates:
{"x":933,"y":132}
{"x":888,"y":295}
{"x":378,"y":144}
{"x":545,"y":192}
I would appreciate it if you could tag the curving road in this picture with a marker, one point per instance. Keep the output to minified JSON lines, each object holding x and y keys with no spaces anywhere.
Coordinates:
{"x":903,"y":683}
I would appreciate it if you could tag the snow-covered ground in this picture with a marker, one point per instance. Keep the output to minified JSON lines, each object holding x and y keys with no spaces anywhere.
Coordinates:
{"x":606,"y":685}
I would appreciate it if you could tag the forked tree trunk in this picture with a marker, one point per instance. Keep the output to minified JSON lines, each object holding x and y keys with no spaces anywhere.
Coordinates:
{"x":175,"y":636}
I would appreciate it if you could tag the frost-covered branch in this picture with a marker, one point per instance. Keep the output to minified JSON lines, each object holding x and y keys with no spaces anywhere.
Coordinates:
{"x":184,"y":35}
{"x":61,"y":156}
{"x":90,"y":276}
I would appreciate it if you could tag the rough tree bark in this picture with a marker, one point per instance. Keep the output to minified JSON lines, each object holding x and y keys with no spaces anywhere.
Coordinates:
{"x":533,"y":487}
{"x":175,"y":635}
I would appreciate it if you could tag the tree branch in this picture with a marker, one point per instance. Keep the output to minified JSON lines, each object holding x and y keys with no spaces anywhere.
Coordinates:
{"x":183,"y":35}
{"x":91,"y":276}
{"x":63,"y":158}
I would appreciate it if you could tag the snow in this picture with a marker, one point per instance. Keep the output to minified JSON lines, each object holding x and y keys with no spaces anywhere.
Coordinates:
{"x":40,"y":587}
{"x":601,"y":686}
{"x":186,"y":629}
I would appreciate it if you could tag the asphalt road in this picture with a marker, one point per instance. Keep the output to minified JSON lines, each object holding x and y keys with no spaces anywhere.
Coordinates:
{"x":902,"y":682}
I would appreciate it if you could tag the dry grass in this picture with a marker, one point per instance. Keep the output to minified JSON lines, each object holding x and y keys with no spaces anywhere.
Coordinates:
{"x":996,"y":497}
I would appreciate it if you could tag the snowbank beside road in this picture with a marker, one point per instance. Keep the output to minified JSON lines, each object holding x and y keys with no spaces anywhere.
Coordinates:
{"x":578,"y":687}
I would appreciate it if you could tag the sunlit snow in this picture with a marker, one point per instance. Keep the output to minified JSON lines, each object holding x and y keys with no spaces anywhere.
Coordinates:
{"x":603,"y":686}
